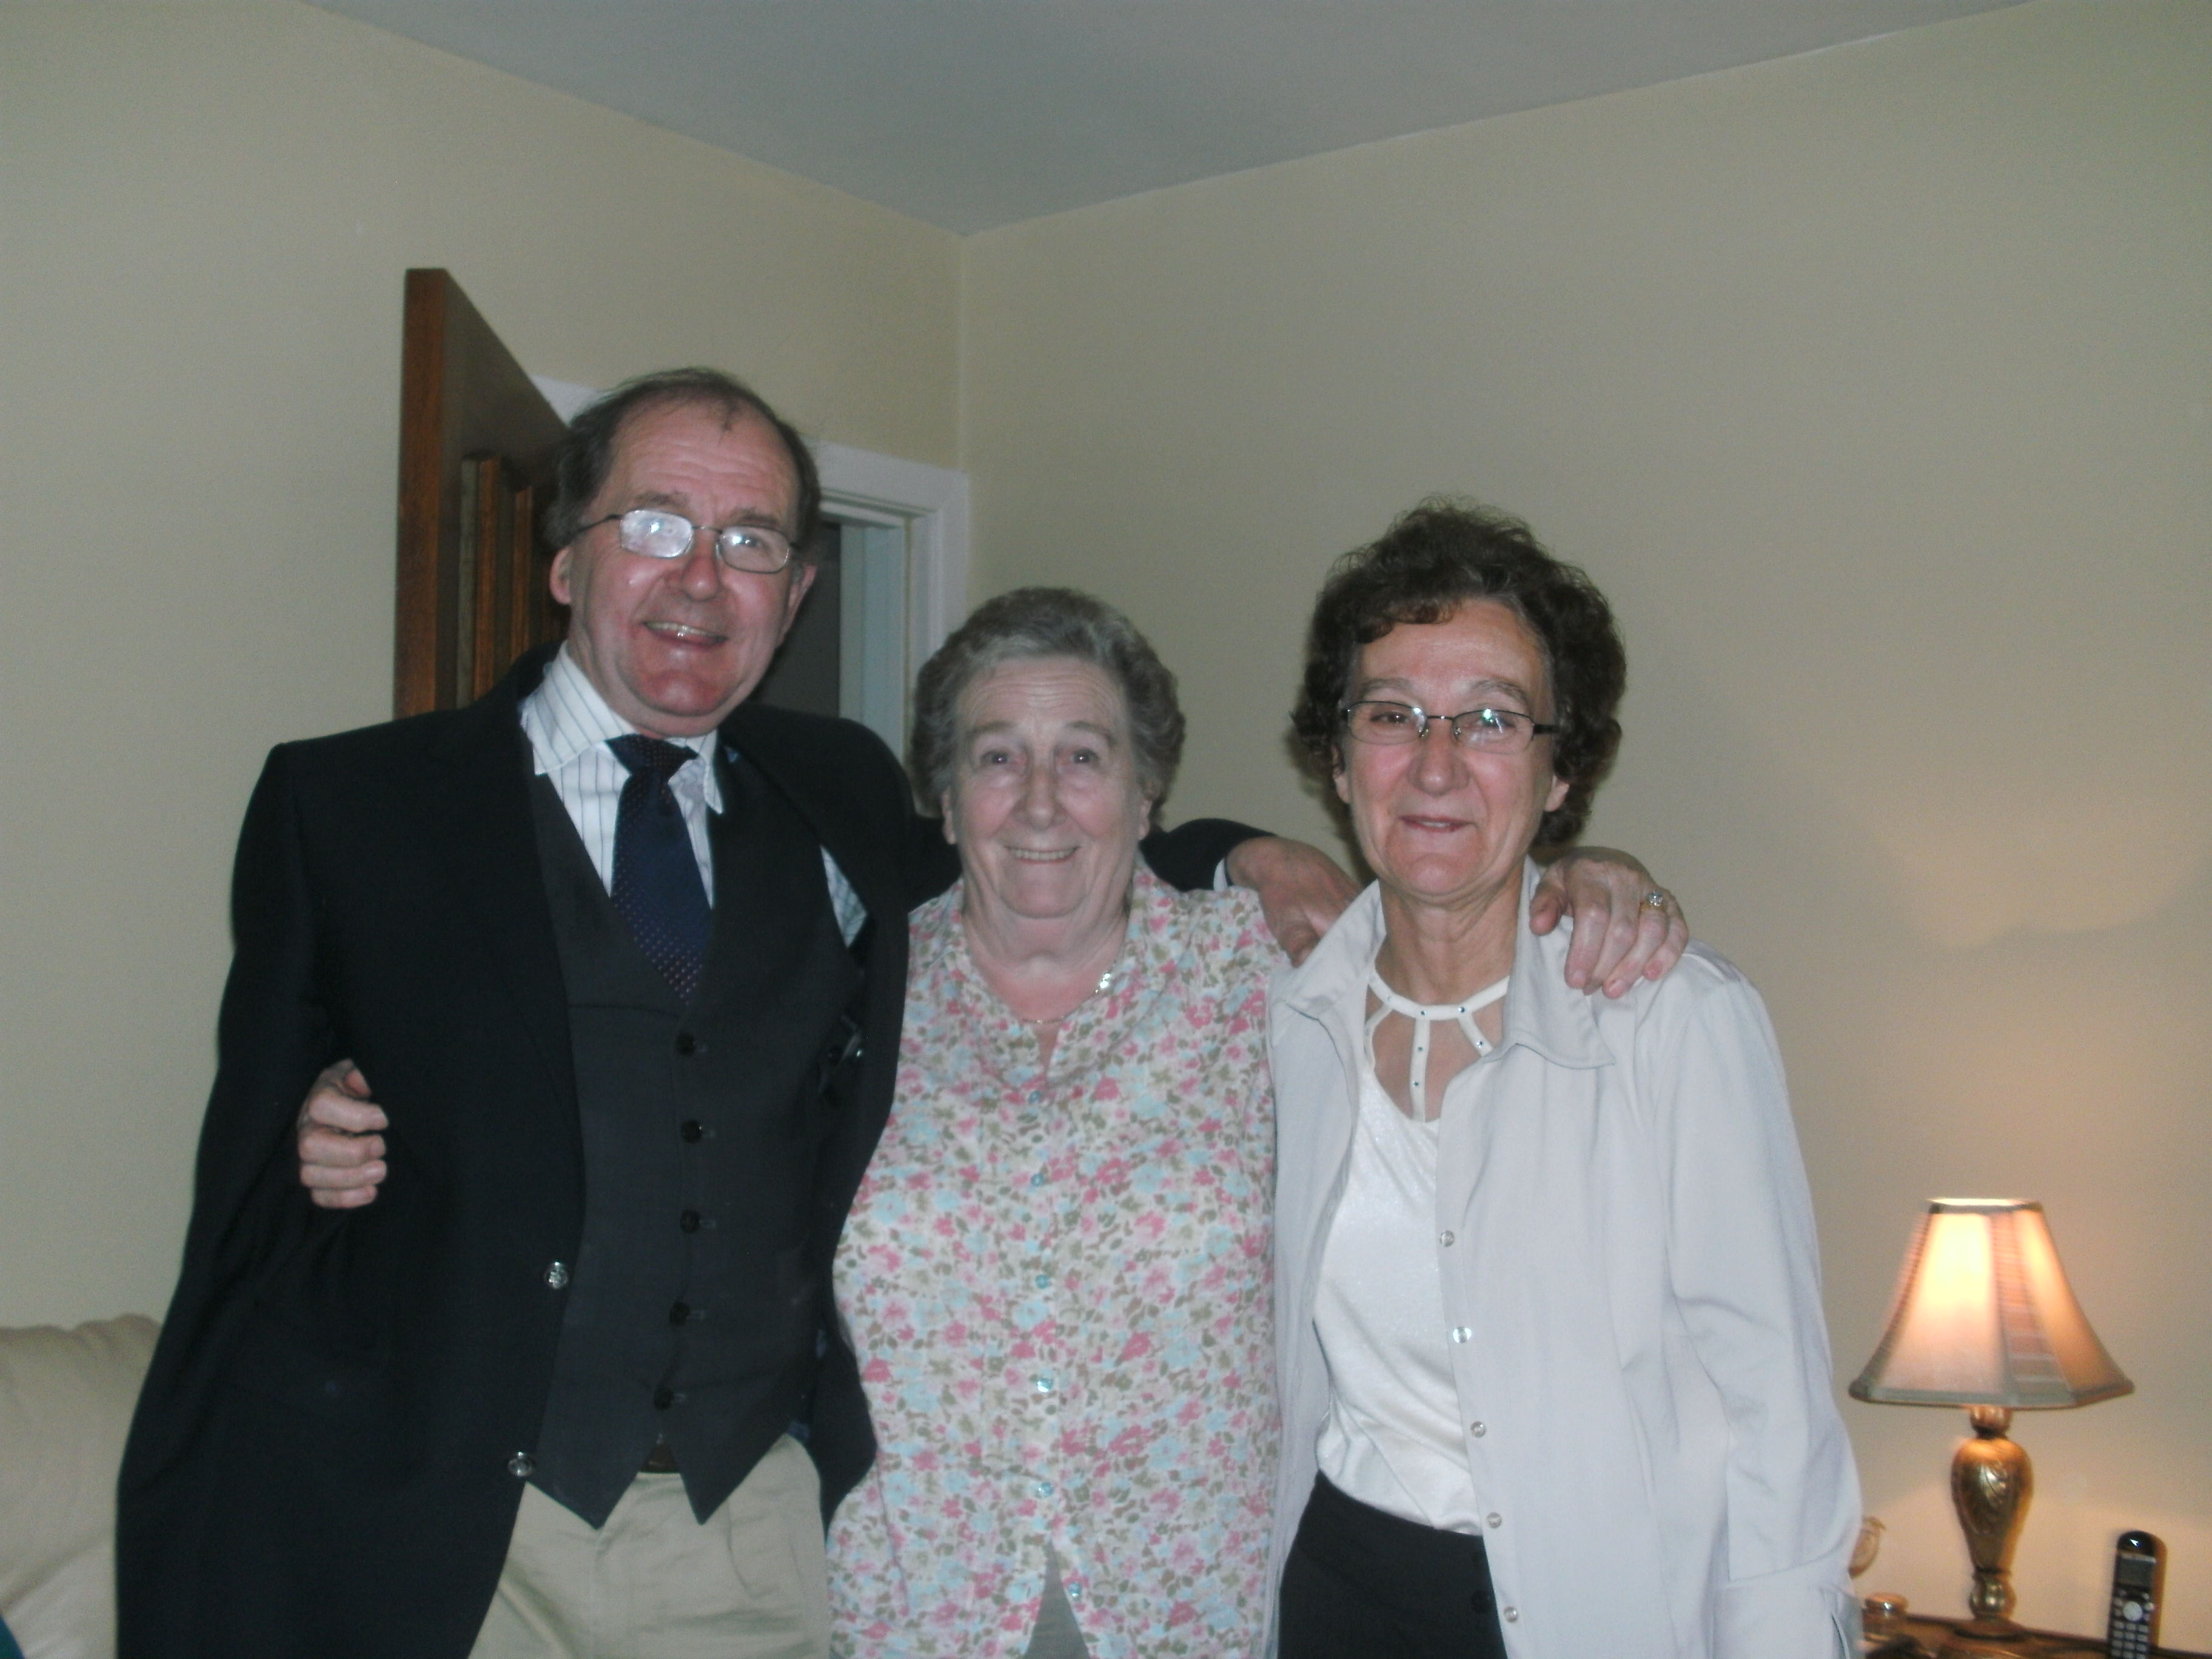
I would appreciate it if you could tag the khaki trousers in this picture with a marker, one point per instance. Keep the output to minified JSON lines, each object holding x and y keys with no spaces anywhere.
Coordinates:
{"x":751,"y":1583}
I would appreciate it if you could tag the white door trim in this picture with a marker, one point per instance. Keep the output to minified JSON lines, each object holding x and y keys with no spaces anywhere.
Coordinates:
{"x":933,"y":504}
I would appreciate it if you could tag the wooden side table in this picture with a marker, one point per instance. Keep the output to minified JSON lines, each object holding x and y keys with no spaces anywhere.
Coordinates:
{"x":1922,"y":1638}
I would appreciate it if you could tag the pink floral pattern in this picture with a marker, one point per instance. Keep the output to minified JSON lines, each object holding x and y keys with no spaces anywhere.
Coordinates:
{"x":1059,"y":1285}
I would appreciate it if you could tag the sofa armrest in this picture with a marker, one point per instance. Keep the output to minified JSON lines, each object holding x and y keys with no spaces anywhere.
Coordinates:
{"x":65,"y":1403}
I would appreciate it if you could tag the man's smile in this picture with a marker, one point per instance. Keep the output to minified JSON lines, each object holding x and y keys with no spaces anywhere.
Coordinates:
{"x":684,"y":633}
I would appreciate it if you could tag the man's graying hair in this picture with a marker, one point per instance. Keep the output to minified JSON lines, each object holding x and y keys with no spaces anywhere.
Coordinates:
{"x":586,"y":454}
{"x":1022,"y":626}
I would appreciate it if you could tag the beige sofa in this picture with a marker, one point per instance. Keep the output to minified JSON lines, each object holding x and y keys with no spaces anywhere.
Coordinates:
{"x":65,"y":1401}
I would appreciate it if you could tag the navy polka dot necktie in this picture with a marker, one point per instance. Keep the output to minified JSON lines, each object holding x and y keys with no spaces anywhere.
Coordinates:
{"x":657,"y":887}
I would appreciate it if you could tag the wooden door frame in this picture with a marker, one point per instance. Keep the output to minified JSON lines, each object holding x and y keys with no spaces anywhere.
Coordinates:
{"x":466,"y":408}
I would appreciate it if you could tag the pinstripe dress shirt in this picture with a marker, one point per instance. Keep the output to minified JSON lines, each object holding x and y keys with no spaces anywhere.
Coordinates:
{"x":568,"y":724}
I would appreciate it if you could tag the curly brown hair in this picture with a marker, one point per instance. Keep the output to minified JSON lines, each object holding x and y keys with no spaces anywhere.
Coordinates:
{"x":1436,"y":558}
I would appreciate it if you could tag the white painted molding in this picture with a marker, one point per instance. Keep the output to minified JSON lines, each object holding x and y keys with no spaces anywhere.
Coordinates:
{"x":567,"y":398}
{"x":932,"y":501}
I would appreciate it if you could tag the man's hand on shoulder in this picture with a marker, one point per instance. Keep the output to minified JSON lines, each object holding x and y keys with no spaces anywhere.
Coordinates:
{"x":341,"y":1140}
{"x":1301,"y":888}
{"x":1620,"y":935}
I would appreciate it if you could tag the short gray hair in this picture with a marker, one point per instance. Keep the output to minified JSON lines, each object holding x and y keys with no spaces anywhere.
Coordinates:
{"x":1022,"y":626}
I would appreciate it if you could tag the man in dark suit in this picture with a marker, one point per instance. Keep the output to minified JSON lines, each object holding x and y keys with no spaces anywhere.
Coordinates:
{"x":539,"y":1397}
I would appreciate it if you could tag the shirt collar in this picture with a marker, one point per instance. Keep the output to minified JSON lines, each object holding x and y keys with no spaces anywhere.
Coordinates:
{"x":1542,"y":1011}
{"x":566,"y":717}
{"x":1150,"y":947}
{"x":1151,"y":959}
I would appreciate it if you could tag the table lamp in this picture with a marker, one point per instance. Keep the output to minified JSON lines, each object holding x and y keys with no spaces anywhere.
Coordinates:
{"x":1983,"y":1318}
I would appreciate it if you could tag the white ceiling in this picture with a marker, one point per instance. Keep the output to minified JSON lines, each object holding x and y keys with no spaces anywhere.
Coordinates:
{"x":971,"y":114}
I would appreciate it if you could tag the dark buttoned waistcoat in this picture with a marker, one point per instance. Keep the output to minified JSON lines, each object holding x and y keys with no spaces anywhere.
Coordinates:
{"x":692,"y":1313}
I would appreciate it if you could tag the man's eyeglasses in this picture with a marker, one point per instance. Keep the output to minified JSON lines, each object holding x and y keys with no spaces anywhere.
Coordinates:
{"x":658,"y":533}
{"x":1492,"y":730}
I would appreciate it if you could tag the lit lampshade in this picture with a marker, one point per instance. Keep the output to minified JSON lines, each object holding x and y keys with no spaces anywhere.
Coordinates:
{"x":1984,"y":1319}
{"x":1983,"y":1316}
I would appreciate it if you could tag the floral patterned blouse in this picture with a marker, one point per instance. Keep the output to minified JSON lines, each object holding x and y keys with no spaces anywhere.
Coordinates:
{"x":1059,"y":1285}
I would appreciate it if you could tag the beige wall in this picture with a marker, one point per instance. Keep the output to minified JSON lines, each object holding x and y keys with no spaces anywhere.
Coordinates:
{"x":205,"y":214}
{"x":1877,"y":377}
{"x":1872,"y":385}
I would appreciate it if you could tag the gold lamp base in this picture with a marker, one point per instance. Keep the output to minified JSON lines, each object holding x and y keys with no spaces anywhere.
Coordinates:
{"x":1991,"y":1482}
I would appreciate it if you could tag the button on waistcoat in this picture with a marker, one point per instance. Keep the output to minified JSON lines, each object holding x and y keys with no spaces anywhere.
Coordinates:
{"x":691,"y":1310}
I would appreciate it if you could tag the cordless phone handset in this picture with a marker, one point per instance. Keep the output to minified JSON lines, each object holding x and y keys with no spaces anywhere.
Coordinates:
{"x":2138,"y":1567}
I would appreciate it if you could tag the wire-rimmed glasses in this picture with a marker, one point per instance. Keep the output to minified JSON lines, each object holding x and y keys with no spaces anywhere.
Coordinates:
{"x":656,"y":533}
{"x":1490,"y":731}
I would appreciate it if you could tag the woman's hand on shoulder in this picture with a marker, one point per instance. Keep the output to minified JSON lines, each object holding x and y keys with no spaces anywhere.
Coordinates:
{"x":1620,"y":935}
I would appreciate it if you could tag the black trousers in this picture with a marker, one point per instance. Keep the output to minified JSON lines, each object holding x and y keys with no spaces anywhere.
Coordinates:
{"x":1361,"y":1585}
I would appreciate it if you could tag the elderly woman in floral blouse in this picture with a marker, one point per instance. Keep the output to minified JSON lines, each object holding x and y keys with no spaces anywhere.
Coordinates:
{"x":1056,"y":1276}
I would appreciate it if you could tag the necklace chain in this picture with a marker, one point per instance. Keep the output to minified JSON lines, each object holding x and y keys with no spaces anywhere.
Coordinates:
{"x":1105,"y":984}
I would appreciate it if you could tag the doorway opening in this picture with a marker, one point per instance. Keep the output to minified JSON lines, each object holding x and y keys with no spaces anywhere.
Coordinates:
{"x":848,"y":652}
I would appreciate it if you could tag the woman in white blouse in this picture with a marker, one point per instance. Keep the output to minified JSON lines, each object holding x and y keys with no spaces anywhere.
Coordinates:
{"x":1555,"y":1381}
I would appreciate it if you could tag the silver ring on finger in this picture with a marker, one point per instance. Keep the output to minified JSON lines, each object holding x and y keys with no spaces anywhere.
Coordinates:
{"x":1656,"y":899}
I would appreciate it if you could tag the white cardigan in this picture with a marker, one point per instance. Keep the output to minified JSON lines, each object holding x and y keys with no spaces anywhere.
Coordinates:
{"x":1652,"y":1424}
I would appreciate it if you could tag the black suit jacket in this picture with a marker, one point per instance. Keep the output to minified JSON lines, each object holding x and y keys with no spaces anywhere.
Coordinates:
{"x":320,"y":1464}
